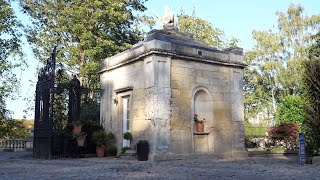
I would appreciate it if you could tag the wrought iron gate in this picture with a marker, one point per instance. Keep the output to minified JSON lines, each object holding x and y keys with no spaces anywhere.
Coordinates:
{"x":57,"y":106}
{"x":44,"y":109}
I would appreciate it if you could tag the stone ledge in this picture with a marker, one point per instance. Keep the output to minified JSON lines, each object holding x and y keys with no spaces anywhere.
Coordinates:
{"x":200,"y":133}
{"x":160,"y":52}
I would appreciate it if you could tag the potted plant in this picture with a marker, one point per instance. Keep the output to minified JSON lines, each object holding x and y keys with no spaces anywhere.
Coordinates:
{"x":127,"y":135}
{"x":112,"y":150}
{"x":77,"y":127}
{"x":81,"y":137}
{"x":102,"y":139}
{"x":199,"y":123}
{"x":143,"y":150}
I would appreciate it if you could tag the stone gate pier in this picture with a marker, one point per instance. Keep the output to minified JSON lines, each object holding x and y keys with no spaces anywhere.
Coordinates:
{"x":154,"y":89}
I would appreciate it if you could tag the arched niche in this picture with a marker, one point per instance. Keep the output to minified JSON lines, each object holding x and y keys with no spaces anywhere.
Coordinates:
{"x":202,"y":105}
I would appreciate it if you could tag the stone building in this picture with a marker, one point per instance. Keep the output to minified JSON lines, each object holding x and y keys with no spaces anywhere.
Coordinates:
{"x":154,"y":89}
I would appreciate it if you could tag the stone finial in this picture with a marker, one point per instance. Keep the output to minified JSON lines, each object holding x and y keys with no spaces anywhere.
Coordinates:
{"x":167,"y":21}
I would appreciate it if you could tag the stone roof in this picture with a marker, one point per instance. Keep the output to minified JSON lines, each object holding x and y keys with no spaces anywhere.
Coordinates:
{"x":175,"y":44}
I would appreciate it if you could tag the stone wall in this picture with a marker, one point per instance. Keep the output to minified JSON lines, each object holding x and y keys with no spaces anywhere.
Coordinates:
{"x":224,"y":132}
{"x":116,"y":83}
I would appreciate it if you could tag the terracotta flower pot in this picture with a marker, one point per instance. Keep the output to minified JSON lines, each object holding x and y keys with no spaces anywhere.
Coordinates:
{"x":100,"y":150}
{"x":77,"y":129}
{"x":81,"y":141}
{"x":199,"y":127}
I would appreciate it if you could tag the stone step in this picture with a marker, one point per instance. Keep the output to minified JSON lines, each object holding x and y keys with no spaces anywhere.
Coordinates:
{"x":129,"y":153}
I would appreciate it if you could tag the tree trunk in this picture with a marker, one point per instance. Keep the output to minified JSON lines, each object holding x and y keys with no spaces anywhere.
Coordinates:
{"x":81,"y":64}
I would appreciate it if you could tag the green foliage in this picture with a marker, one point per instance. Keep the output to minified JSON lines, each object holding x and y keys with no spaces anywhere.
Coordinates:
{"x":77,"y":123}
{"x":111,"y":136}
{"x":204,"y":30}
{"x":111,"y":150}
{"x":278,"y":148}
{"x":291,"y":109}
{"x":13,"y":129}
{"x":255,"y":131}
{"x":196,"y":119}
{"x":127,"y":136}
{"x":311,"y":124}
{"x":60,"y":103}
{"x":89,"y":127}
{"x":123,"y":150}
{"x":102,"y":138}
{"x":261,"y":78}
{"x":85,"y":31}
{"x":10,"y":46}
{"x":275,"y":62}
{"x":89,"y":108}
{"x":81,"y":135}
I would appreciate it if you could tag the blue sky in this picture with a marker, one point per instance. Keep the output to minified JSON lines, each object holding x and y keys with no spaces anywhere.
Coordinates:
{"x":237,"y":18}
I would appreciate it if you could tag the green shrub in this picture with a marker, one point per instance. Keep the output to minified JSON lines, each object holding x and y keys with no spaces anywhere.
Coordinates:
{"x":123,"y":150}
{"x":111,"y":137}
{"x":81,"y":135}
{"x":255,"y":131}
{"x":291,"y":109}
{"x":112,"y":150}
{"x":90,"y":127}
{"x":127,"y":136}
{"x":100,"y":138}
{"x":10,"y":128}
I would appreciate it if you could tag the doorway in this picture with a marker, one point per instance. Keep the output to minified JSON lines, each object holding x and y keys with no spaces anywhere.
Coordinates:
{"x":126,"y":119}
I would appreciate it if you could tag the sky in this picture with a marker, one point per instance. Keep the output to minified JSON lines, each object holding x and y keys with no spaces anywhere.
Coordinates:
{"x":237,"y":18}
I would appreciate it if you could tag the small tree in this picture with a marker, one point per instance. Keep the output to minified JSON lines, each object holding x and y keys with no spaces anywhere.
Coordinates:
{"x":287,"y":132}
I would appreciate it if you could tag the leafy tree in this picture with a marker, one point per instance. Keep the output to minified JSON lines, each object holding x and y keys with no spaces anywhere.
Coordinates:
{"x":291,"y":109}
{"x":275,"y":62}
{"x":311,"y":123}
{"x":261,"y":79}
{"x":85,"y":31}
{"x":10,"y":51}
{"x":9,"y":46}
{"x":13,"y":129}
{"x":295,"y":31}
{"x":204,"y":30}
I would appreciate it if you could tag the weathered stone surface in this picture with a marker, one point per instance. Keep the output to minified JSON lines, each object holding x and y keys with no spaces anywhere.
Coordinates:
{"x":181,"y":142}
{"x":202,"y":80}
{"x":201,"y":143}
{"x":169,"y":77}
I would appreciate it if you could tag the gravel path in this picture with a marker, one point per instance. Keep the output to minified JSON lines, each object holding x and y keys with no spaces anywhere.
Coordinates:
{"x":24,"y":167}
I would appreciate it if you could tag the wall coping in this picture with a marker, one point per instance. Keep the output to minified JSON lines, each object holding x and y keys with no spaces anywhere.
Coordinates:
{"x":175,"y":44}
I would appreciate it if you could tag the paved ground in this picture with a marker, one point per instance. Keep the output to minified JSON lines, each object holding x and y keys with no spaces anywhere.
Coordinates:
{"x":22,"y":166}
